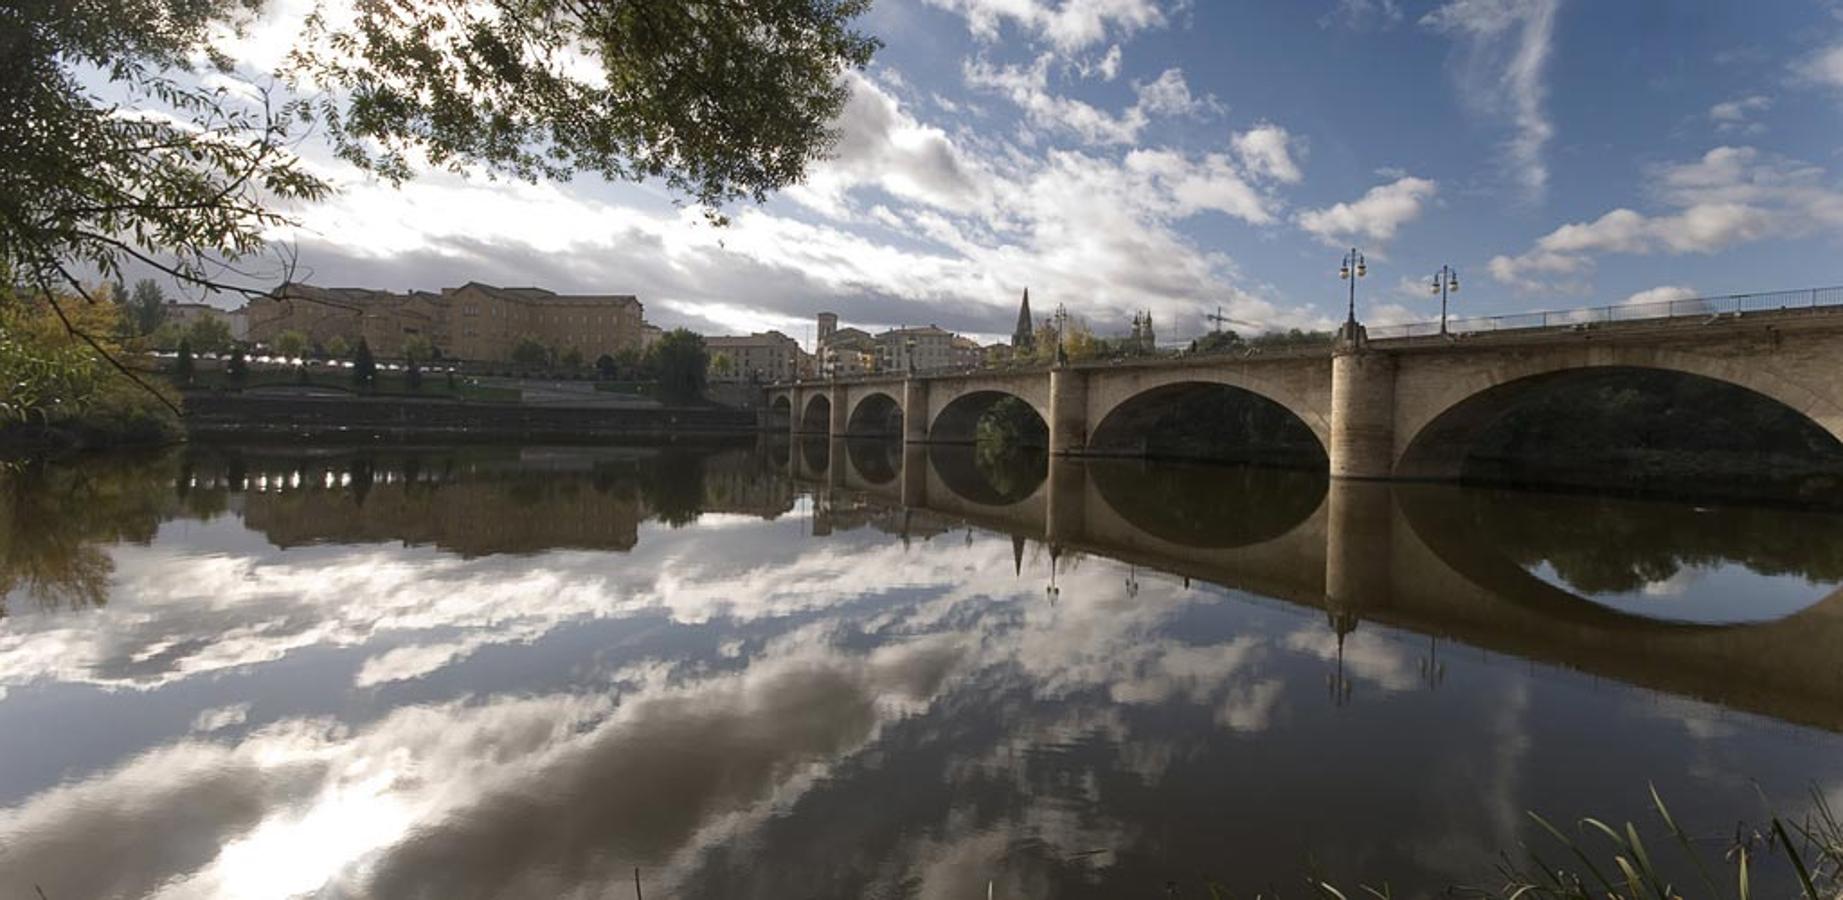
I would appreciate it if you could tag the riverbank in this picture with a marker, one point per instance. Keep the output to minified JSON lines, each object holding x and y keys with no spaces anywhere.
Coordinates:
{"x":219,"y":416}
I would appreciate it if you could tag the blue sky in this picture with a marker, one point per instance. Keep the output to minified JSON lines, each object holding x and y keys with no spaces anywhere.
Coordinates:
{"x":1115,"y":155}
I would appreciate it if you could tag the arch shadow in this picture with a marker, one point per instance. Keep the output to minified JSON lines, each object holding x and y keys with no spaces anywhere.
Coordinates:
{"x":817,"y":417}
{"x":1006,"y":416}
{"x":1439,"y":449}
{"x":1207,"y":421}
{"x":875,"y":415}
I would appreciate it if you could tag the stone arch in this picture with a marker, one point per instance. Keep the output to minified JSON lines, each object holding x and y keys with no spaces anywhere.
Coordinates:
{"x":875,"y":413}
{"x":1434,"y":435}
{"x":780,"y":410}
{"x":816,"y":418}
{"x":1303,"y":389}
{"x":944,"y":393}
{"x":955,"y":418}
{"x":1121,"y":414}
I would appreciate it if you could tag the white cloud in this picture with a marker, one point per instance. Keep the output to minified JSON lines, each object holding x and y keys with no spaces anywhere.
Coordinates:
{"x":1267,"y":150}
{"x":1362,"y":14}
{"x":1823,"y":68}
{"x":1375,"y":217}
{"x":1068,"y":26}
{"x":1737,"y":115}
{"x":1661,"y":294}
{"x":1730,"y":196}
{"x":1506,"y":46}
{"x":1168,"y":95}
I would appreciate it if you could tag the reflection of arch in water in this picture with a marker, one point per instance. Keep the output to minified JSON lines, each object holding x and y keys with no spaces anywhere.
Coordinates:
{"x":987,"y":476}
{"x":1208,"y":420}
{"x":1209,"y":506}
{"x":817,"y":417}
{"x":1447,"y":520}
{"x":1467,"y":405}
{"x":780,"y":452}
{"x":958,"y":421}
{"x":875,"y":414}
{"x":815,"y":455}
{"x":876,"y":461}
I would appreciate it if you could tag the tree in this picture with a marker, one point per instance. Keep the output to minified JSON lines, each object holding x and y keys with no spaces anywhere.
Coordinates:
{"x":531,"y":353}
{"x":364,"y":368}
{"x":182,"y":363}
{"x":337,"y":347}
{"x":291,"y":344}
{"x":412,"y":376}
{"x":417,"y":348}
{"x":149,"y":304}
{"x":167,"y":336}
{"x":209,"y":335}
{"x":681,"y":361}
{"x":721,"y":365}
{"x":606,"y":367}
{"x":118,"y":153}
{"x":572,"y":359}
{"x":719,"y":99}
{"x":237,"y":370}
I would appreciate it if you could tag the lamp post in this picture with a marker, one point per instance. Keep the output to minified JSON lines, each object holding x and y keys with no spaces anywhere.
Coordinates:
{"x":1352,"y":269}
{"x":1444,"y":281}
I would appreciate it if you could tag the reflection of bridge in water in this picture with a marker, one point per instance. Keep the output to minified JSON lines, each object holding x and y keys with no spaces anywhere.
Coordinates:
{"x":1367,"y":551}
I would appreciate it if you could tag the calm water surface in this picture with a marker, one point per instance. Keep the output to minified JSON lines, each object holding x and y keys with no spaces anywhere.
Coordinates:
{"x":846,"y":671}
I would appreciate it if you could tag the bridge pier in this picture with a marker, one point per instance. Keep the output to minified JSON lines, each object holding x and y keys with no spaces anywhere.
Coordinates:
{"x":1362,"y":413}
{"x":1359,"y":522}
{"x":1068,"y":411}
{"x":841,"y":413}
{"x":914,"y":413}
{"x":914,"y":475}
{"x":1065,"y":505}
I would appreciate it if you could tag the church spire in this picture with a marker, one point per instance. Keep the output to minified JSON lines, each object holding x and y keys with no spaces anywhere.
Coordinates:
{"x":1025,"y":336}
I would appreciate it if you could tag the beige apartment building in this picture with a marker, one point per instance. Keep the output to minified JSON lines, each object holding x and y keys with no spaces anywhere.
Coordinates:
{"x":475,"y":321}
{"x":764,"y":356}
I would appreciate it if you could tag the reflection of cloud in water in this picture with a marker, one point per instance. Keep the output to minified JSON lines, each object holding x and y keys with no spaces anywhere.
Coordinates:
{"x":1676,"y":585}
{"x":1367,"y":656}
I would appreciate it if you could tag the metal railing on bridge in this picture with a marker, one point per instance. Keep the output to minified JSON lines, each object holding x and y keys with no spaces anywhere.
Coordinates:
{"x":1686,"y":308}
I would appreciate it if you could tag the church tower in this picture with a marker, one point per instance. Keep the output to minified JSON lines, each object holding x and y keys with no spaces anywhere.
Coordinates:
{"x":1025,"y":336}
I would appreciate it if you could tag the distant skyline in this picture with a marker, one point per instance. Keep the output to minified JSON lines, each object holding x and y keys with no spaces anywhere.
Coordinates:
{"x":1177,"y":155}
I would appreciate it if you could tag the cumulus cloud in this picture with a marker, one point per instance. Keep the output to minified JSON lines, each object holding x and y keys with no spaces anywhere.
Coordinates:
{"x":1823,"y":68}
{"x":1267,"y":150}
{"x":1730,"y":196}
{"x":1169,"y":95}
{"x":1068,"y":26}
{"x":1661,"y":294}
{"x":1503,"y":57}
{"x":1375,"y":217}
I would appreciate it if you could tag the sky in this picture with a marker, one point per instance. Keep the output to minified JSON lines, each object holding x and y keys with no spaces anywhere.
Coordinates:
{"x":1178,"y":156}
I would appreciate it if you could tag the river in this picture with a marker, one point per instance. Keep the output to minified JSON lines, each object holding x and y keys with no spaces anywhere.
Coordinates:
{"x":851,"y":670}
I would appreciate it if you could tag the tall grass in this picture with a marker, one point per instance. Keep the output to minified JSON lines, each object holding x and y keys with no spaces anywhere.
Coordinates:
{"x":1594,"y":860}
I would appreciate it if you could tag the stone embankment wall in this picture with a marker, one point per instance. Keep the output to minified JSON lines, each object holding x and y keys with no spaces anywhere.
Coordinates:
{"x":232,"y":415}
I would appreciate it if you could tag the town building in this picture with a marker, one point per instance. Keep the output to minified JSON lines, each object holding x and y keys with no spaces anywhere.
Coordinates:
{"x":924,"y":349}
{"x":764,"y":356}
{"x":185,"y":315}
{"x":478,"y":322}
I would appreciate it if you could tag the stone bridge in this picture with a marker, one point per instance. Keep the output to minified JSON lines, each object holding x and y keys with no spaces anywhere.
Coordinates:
{"x":1407,"y":408}
{"x":1383,"y":553}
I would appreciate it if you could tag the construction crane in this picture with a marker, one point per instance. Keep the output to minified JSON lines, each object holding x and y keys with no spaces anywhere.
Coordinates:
{"x":1218,"y":318}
